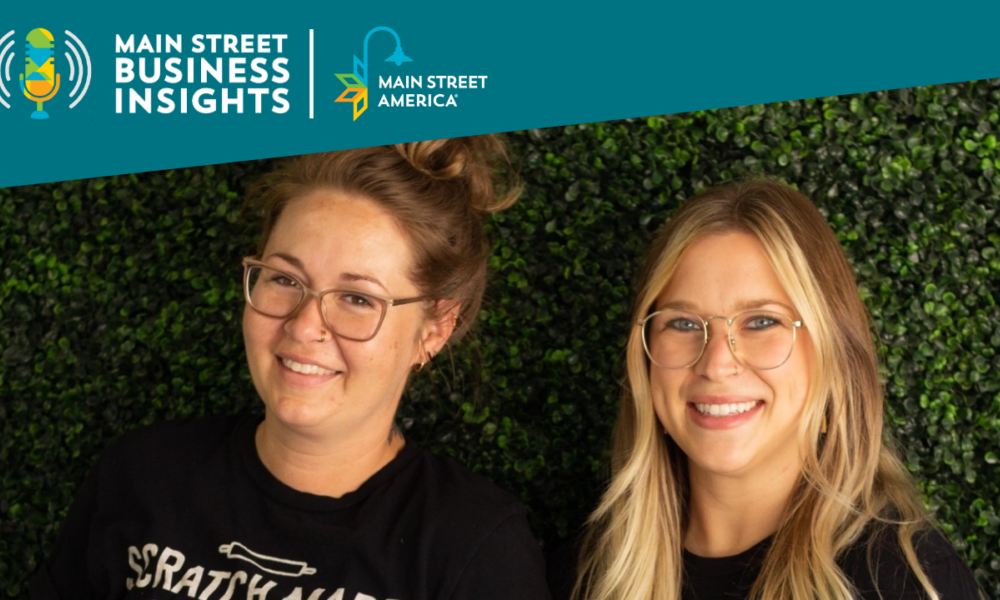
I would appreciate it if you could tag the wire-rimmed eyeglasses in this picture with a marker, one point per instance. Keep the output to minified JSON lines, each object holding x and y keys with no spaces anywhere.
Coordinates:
{"x":758,"y":339}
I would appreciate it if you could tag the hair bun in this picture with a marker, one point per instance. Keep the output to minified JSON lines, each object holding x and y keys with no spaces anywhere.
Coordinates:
{"x":468,"y":162}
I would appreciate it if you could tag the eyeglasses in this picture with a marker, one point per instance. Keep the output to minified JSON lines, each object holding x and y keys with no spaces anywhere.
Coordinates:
{"x":758,"y":339}
{"x":347,"y":313}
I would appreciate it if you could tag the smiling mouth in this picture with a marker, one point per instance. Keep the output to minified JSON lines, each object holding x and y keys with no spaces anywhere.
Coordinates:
{"x":726,"y":410}
{"x":306,"y":369}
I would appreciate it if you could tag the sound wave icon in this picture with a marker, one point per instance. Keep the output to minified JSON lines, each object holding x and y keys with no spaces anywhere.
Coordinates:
{"x":78,"y":63}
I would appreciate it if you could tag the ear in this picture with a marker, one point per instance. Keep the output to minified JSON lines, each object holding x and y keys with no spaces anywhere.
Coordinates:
{"x":438,"y":329}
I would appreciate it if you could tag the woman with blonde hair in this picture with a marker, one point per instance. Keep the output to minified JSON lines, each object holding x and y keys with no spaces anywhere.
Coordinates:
{"x":749,"y":457}
{"x":370,"y":262}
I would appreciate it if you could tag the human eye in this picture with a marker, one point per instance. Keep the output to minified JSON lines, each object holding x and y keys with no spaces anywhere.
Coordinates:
{"x":359,"y":300}
{"x":762,"y":321}
{"x":356,"y":300}
{"x":282,"y":280}
{"x":682,"y":324}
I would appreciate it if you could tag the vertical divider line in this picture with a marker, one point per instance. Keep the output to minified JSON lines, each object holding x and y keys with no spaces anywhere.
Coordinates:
{"x":311,"y":87}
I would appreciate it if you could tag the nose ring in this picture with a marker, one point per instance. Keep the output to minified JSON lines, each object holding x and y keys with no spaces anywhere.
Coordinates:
{"x":323,"y":337}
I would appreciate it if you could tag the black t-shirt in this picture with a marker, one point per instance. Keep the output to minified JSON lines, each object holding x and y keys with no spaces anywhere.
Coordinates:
{"x":186,"y":509}
{"x":887,"y":573}
{"x":731,"y":577}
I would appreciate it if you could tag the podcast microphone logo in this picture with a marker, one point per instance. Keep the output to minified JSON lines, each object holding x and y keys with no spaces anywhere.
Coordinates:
{"x":39,"y":82}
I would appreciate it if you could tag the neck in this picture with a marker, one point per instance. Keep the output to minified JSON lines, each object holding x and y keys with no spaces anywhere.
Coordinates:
{"x":310,"y":463}
{"x":730,"y":514}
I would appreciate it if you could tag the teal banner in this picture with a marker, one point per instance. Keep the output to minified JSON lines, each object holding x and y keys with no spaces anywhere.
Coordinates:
{"x":127,"y":88}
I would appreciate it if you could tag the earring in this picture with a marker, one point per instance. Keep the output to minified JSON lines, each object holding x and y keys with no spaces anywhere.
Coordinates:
{"x":426,"y":359}
{"x":823,"y":426}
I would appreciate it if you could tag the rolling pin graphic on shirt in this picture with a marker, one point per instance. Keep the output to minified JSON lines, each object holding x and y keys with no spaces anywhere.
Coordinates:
{"x":269,"y":564}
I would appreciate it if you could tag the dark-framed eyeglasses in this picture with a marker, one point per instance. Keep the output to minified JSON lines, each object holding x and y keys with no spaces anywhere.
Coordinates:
{"x":758,"y":339}
{"x":348,"y":313}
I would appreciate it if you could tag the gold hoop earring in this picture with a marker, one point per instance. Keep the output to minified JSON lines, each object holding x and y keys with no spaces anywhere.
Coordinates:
{"x":419,"y":367}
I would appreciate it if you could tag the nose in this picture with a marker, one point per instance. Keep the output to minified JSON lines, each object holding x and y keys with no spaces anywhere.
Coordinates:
{"x":717,"y":362}
{"x":307,"y":324}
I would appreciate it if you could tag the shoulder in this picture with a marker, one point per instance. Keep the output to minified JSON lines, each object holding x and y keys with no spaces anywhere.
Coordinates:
{"x":164,"y":448}
{"x":878,"y":567}
{"x":475,"y":535}
{"x":137,"y":476}
{"x":561,"y":567}
{"x":188,"y":434}
{"x":459,"y":494}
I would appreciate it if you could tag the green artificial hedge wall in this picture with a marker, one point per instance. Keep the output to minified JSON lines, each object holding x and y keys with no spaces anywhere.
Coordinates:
{"x":120,"y":303}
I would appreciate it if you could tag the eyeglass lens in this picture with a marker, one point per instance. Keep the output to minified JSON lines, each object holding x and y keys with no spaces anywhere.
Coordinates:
{"x":348,"y":313}
{"x":675,"y":339}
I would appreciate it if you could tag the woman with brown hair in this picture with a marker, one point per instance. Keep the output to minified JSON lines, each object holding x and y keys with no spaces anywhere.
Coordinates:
{"x":370,"y":262}
{"x":749,"y":458}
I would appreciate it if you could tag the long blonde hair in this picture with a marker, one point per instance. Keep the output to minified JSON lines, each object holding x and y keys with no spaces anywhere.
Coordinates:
{"x":851,"y":480}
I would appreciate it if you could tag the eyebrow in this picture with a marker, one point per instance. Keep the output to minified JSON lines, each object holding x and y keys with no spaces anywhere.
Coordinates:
{"x":740,"y":307}
{"x":345,"y":277}
{"x":361,"y":277}
{"x":288,"y":258}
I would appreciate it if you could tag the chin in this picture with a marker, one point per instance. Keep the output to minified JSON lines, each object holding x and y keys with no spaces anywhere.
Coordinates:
{"x":720,"y":459}
{"x":734,"y":466}
{"x":296,"y":411}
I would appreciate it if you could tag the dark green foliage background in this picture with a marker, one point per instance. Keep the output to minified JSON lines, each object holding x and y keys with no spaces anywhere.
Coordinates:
{"x":120,"y":302}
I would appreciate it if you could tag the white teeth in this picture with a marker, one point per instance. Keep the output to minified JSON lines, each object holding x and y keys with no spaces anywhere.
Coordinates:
{"x":306,"y":369}
{"x":724,"y":410}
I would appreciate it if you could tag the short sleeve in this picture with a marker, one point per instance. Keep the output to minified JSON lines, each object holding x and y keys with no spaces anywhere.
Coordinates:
{"x":508,"y":564}
{"x":948,"y":573}
{"x":894,"y":579}
{"x":65,"y":574}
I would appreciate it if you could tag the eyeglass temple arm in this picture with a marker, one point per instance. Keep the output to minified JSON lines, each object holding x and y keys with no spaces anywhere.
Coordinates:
{"x":402,"y":301}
